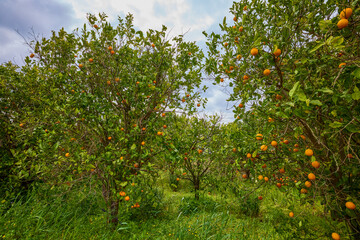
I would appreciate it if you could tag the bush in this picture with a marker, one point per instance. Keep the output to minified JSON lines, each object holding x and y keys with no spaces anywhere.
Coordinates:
{"x":190,"y":205}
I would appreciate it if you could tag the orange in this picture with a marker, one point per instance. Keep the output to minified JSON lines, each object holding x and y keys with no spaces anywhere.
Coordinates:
{"x":342,"y":65}
{"x":303,"y":191}
{"x":198,"y":104}
{"x":143,"y":129}
{"x":91,"y":60}
{"x":238,"y":57}
{"x":291,"y":214}
{"x":278,"y":97}
{"x":235,"y":19}
{"x":278,"y":185}
{"x":350,"y":205}
{"x":226,"y":44}
{"x":309,"y":152}
{"x":264,"y":148}
{"x":110,"y":48}
{"x":245,"y":8}
{"x":277,"y":52}
{"x":241,"y":105}
{"x":221,"y":80}
{"x":259,"y":136}
{"x":343,"y":23}
{"x":296,"y":150}
{"x":112,"y":52}
{"x":153,"y":45}
{"x":266,"y":179}
{"x":350,"y":155}
{"x":286,"y":141}
{"x":108,"y":82}
{"x":254,"y":51}
{"x":234,"y":149}
{"x":80,"y":65}
{"x":241,"y":29}
{"x":266,"y":72}
{"x":159,"y":133}
{"x":264,"y":166}
{"x":246,"y":77}
{"x":303,"y":137}
{"x":164,"y":126}
{"x":136,"y":165}
{"x":307,"y":184}
{"x":311,"y":176}
{"x":346,"y":13}
{"x":143,"y":143}
{"x":67,"y":154}
{"x":335,"y":236}
{"x":315,"y":164}
{"x":127,"y":198}
{"x":122,"y":194}
{"x":244,"y":176}
{"x":200,"y":151}
{"x":109,"y":138}
{"x":260,"y":177}
{"x":177,"y":179}
{"x":274,"y":143}
{"x":248,"y":155}
{"x":282,"y":170}
{"x":32,"y":55}
{"x":184,"y":174}
{"x":163,"y":114}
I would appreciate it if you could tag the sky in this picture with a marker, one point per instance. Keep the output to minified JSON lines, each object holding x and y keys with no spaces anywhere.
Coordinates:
{"x":18,"y":18}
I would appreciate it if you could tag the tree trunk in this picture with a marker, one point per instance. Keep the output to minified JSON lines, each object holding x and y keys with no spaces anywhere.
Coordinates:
{"x":197,"y":188}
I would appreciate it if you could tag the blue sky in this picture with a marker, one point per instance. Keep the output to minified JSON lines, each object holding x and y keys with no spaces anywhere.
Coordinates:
{"x":180,"y":16}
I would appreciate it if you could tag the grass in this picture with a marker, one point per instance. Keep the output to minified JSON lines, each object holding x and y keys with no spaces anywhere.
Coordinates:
{"x":46,"y":213}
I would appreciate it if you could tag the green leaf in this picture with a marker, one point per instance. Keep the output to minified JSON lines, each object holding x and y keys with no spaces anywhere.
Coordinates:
{"x":326,"y":90}
{"x":133,"y":147}
{"x":356,"y":73}
{"x":293,"y":90}
{"x":316,"y":102}
{"x":317,"y":47}
{"x":356,"y":94}
{"x":335,"y":124}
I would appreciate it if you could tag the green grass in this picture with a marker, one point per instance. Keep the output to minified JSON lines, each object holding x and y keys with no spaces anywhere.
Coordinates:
{"x":50,"y":214}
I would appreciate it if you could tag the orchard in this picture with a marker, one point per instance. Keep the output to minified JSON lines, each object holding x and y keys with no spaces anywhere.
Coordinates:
{"x":102,"y":134}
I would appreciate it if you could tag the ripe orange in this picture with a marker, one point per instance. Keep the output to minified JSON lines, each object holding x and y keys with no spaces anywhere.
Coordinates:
{"x":266,"y":72}
{"x":136,"y":165}
{"x":241,"y":28}
{"x":110,"y":48}
{"x":143,"y":143}
{"x":235,"y":19}
{"x":343,"y":23}
{"x":350,"y":205}
{"x":282,"y":170}
{"x":143,"y":129}
{"x":277,"y":52}
{"x":315,"y":164}
{"x":245,"y":8}
{"x":278,"y":97}
{"x":198,"y":104}
{"x":67,"y":154}
{"x":303,"y":137}
{"x":96,"y":26}
{"x":278,"y":185}
{"x":244,"y":176}
{"x":91,"y":60}
{"x":177,"y":179}
{"x":266,"y":179}
{"x":248,"y":155}
{"x":311,"y":176}
{"x":112,"y":52}
{"x":335,"y":236}
{"x":296,"y":145}
{"x":264,"y":166}
{"x":80,"y":65}
{"x":286,"y":141}
{"x":32,"y":55}
{"x":123,"y":194}
{"x":221,"y":80}
{"x":200,"y":151}
{"x":163,"y":114}
{"x":234,"y":149}
{"x":307,"y":184}
{"x":108,"y":82}
{"x":259,"y":136}
{"x":164,"y":126}
{"x":260,"y":198}
{"x":246,"y":77}
{"x":342,"y":65}
{"x":226,"y":44}
{"x":350,"y":155}
{"x":295,"y":149}
{"x":254,"y":51}
{"x":291,"y":214}
{"x":153,"y":45}
{"x":264,"y":148}
{"x":183,"y":100}
{"x":303,"y":191}
{"x":260,"y":177}
{"x":274,"y":143}
{"x":127,"y":198}
{"x":241,"y":105}
{"x":346,"y":13}
{"x":109,"y":138}
{"x":159,"y":133}
{"x":309,"y":152}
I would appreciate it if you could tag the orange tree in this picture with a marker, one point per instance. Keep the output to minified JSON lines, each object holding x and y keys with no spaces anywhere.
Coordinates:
{"x":109,"y":91}
{"x":297,"y":66}
{"x":194,"y":148}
